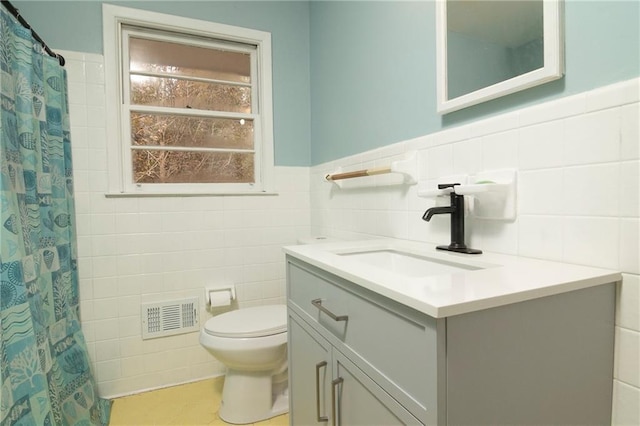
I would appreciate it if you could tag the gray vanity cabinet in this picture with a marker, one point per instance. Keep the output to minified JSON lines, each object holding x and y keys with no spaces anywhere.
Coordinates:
{"x":327,"y":388}
{"x":310,"y":386}
{"x":543,"y":361}
{"x":375,"y":352}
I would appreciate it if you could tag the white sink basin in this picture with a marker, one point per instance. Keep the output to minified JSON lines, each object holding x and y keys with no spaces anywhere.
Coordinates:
{"x":407,"y":264}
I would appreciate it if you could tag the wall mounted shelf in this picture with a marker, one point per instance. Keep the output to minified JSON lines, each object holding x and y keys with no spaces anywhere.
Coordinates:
{"x":493,"y":192}
{"x":407,"y":167}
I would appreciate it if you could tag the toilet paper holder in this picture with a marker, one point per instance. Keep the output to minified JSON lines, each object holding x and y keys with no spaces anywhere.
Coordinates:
{"x":209,"y":293}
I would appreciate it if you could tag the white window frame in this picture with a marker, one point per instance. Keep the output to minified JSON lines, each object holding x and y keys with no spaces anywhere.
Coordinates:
{"x":118,"y":108}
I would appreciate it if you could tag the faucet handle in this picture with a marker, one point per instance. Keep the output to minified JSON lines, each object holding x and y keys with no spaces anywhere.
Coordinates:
{"x":447,"y":185}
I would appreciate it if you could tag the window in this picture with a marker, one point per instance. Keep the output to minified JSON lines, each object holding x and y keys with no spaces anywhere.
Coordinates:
{"x":190,"y":102}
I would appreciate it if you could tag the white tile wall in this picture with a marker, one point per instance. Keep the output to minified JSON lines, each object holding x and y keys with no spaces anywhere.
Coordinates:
{"x":578,"y":198}
{"x":137,"y":250}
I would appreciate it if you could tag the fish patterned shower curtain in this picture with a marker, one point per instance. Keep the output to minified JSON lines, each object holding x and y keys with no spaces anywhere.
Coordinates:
{"x":45,"y":372}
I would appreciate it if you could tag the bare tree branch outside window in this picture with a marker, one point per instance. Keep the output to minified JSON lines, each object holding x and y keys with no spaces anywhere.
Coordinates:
{"x":189,"y":146}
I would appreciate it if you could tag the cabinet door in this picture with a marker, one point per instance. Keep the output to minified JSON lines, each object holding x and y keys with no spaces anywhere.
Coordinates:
{"x":359,"y":401}
{"x":309,"y":375}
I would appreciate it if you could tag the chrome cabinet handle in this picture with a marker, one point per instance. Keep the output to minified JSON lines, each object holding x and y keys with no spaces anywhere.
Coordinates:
{"x":334,"y":411}
{"x":318,"y":304}
{"x":318,"y":367}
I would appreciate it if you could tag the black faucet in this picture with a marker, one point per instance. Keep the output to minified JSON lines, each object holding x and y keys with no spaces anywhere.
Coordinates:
{"x":456,"y":210}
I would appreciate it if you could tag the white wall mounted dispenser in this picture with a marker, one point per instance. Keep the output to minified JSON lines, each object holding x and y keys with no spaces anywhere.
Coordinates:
{"x":219,"y":296}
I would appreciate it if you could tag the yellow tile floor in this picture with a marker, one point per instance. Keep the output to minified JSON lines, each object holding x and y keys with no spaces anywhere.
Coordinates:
{"x":193,"y":404}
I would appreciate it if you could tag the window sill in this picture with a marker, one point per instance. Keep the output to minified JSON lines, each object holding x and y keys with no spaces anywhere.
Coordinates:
{"x":186,"y":194}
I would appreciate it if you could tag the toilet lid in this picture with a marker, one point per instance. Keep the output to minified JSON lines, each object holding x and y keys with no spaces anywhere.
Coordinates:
{"x":249,"y":322}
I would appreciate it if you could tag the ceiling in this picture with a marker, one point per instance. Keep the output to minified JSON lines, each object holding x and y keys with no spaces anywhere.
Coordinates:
{"x":508,"y":23}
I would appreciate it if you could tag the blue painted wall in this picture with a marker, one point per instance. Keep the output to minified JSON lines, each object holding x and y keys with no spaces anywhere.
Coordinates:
{"x":372,"y":75}
{"x":373,"y":78}
{"x":354,"y":76}
{"x":77,"y":26}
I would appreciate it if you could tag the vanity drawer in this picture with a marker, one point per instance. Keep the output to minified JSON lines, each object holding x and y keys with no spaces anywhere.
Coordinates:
{"x":398,"y":345}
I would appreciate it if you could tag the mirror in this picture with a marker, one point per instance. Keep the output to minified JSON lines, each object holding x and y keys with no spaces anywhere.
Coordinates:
{"x":488,"y":48}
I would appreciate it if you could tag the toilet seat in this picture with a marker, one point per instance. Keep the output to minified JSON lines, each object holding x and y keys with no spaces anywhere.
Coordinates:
{"x":258,"y":321}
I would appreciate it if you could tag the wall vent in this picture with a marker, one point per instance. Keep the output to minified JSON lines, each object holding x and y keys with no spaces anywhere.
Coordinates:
{"x":168,"y":318}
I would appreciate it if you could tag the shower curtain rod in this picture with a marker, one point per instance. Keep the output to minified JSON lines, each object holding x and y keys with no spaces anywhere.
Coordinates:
{"x":15,"y":12}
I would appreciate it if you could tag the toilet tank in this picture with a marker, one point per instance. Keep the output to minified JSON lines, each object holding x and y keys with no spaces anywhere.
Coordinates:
{"x":317,"y":239}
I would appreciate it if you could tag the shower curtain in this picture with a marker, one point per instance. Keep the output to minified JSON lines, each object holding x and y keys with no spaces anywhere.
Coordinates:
{"x":45,"y":371}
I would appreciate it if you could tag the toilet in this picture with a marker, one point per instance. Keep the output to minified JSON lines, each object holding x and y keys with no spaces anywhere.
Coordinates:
{"x":252,"y":343}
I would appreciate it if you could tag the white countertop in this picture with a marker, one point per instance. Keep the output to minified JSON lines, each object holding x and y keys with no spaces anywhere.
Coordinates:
{"x":504,"y":279}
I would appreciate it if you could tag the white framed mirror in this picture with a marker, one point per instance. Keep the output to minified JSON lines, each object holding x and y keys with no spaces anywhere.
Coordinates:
{"x":488,"y":48}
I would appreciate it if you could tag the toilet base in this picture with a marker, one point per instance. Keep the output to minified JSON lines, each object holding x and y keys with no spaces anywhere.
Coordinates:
{"x":251,"y":396}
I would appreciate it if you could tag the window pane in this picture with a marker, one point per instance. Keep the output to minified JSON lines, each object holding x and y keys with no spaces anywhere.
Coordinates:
{"x":198,"y":132}
{"x":182,"y":59}
{"x":192,"y":167}
{"x":178,"y":93}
